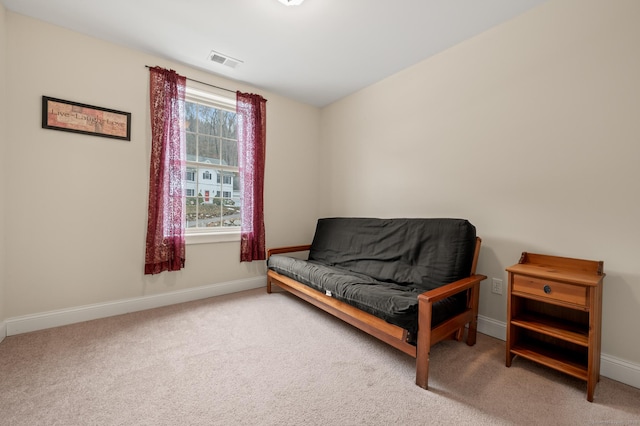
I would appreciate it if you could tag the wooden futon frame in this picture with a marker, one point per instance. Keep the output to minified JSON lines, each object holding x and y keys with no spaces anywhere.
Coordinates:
{"x":452,"y":328}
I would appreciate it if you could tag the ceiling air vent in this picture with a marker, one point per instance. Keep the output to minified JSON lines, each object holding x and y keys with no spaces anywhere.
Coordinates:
{"x":221,"y":59}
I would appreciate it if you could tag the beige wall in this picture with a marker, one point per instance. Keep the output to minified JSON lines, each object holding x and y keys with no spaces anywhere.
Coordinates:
{"x":3,"y":164}
{"x":76,"y":206}
{"x":530,"y":130}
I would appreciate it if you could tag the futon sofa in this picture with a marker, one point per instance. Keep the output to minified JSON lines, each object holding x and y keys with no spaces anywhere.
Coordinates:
{"x":409,"y":282}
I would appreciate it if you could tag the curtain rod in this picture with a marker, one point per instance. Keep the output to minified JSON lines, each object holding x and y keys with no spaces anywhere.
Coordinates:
{"x":206,"y":84}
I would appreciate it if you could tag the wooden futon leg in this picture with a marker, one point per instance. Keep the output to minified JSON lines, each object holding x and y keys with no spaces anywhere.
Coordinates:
{"x":473,"y":305}
{"x":423,"y":346}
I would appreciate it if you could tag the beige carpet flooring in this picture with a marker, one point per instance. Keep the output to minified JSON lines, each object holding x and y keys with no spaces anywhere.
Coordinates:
{"x":256,"y":359}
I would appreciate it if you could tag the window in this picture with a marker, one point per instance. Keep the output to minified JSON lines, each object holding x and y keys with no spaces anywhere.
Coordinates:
{"x":212,"y":154}
{"x":210,"y":117}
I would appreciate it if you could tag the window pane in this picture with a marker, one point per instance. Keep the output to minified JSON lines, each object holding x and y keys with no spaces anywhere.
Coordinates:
{"x":191,"y":146}
{"x":231,"y":199}
{"x":191,"y":114}
{"x":229,"y":152}
{"x":228,"y":123}
{"x":209,"y":149}
{"x":191,"y":178}
{"x":208,"y":120}
{"x":192,"y":212}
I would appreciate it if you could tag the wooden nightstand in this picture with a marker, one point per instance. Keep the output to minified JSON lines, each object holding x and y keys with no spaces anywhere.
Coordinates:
{"x":554,"y":314}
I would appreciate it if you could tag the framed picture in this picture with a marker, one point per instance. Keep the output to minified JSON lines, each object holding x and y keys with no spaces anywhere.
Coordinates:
{"x":68,"y":116}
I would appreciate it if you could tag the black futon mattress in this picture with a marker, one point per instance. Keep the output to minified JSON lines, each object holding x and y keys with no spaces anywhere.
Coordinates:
{"x":380,"y":266}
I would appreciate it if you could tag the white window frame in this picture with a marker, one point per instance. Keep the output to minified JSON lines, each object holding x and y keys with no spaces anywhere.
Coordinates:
{"x":221,"y":100}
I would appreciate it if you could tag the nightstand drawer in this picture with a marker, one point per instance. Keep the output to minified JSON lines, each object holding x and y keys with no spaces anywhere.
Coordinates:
{"x":549,"y":289}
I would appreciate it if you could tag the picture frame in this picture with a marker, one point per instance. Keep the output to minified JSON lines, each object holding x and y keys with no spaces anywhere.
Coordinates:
{"x":75,"y":117}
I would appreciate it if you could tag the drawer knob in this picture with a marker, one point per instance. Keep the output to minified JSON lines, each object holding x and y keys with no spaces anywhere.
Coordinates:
{"x":547,"y":289}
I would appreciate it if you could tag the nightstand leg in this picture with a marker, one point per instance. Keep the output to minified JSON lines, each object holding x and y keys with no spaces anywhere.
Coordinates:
{"x":509,"y":358}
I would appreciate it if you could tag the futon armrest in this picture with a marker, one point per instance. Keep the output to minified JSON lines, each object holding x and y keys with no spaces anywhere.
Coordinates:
{"x":289,"y":249}
{"x":450,"y":289}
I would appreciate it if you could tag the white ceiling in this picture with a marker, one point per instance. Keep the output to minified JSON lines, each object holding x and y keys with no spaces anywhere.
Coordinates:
{"x":315,"y":53}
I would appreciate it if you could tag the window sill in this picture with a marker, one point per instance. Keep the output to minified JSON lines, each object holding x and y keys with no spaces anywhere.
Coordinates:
{"x":212,"y":237}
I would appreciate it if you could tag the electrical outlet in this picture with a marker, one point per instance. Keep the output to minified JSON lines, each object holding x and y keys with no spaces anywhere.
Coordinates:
{"x":496,"y":286}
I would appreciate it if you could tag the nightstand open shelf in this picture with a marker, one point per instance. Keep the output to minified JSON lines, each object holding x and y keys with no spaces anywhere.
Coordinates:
{"x":567,"y":362}
{"x":554,"y":315}
{"x":550,"y":326}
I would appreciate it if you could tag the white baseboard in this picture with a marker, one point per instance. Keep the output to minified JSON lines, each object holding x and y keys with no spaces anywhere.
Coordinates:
{"x":41,"y":321}
{"x":3,"y":330}
{"x":620,"y":370}
{"x":493,"y":328}
{"x":610,"y":366}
